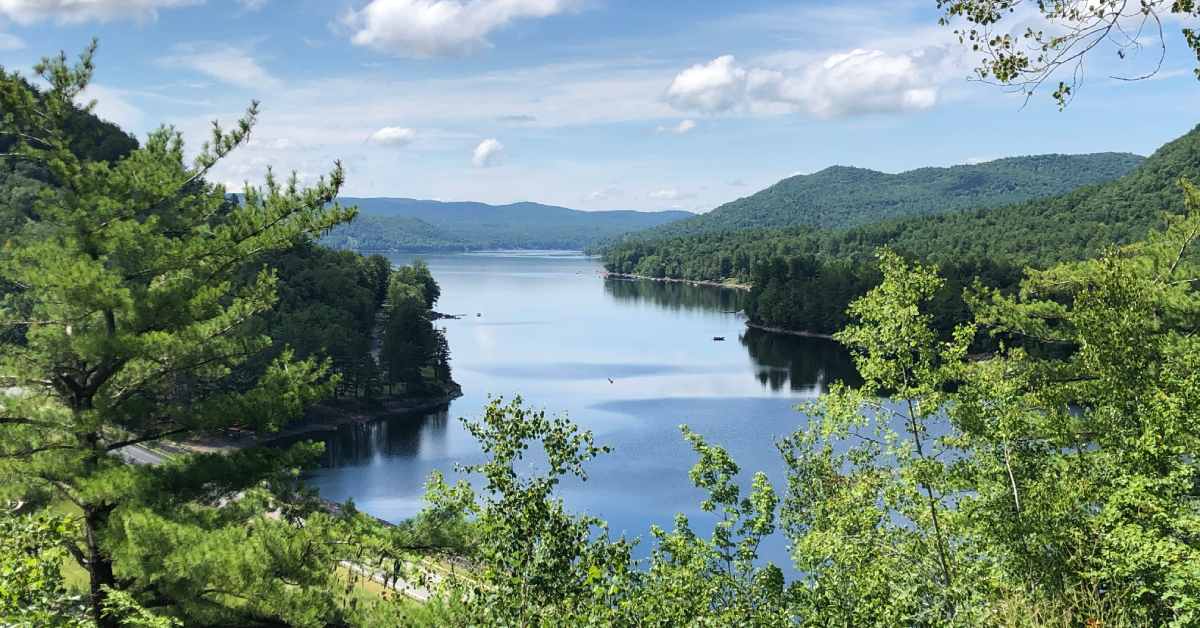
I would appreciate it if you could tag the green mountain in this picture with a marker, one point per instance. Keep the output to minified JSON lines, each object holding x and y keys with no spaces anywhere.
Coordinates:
{"x":395,"y":224}
{"x":842,"y":196}
{"x":1071,"y":226}
{"x":804,"y":277}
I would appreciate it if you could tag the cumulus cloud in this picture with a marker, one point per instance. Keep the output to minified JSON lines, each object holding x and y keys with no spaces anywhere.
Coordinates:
{"x":679,"y":129}
{"x":718,"y":85}
{"x":856,"y":82}
{"x":488,"y":153}
{"x":227,"y":64}
{"x":430,"y":28}
{"x":10,"y":42}
{"x":393,"y":136}
{"x":76,"y":11}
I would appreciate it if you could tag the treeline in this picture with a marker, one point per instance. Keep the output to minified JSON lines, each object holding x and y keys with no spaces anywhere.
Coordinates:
{"x":805,"y":278}
{"x":372,"y":321}
{"x":840,"y":197}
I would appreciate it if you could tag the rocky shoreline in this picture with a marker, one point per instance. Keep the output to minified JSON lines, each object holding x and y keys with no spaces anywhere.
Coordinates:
{"x":690,"y":282}
{"x":790,"y":332}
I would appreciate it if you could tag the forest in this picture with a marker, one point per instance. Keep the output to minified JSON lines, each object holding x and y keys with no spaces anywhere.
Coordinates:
{"x":804,"y":278}
{"x":1054,"y":483}
{"x":841,"y":196}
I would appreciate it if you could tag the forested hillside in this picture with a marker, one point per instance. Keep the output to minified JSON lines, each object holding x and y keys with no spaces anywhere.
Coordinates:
{"x":403,"y":224}
{"x":1052,"y":484}
{"x":840,"y":196}
{"x":805,"y":277}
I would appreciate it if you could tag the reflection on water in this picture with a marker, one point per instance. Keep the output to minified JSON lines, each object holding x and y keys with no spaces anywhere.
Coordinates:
{"x":806,"y":364}
{"x":400,"y":436}
{"x":629,"y":360}
{"x":674,"y":295}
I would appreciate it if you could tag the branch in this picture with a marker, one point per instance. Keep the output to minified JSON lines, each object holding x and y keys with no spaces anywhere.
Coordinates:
{"x":143,"y":439}
{"x":37,"y":450}
{"x":16,"y":420}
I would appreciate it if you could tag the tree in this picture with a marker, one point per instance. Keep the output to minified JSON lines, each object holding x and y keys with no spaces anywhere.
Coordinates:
{"x":1073,"y":30}
{"x":133,"y":326}
{"x":539,"y":564}
{"x":869,"y":507}
{"x":32,"y":591}
{"x":1084,"y":441}
{"x":417,"y":274}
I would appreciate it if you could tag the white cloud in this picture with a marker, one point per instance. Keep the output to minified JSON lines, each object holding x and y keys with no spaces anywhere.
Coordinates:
{"x":76,"y":11}
{"x":847,"y":83}
{"x":227,"y":64}
{"x":488,"y":153}
{"x":679,"y":129}
{"x":670,"y":194}
{"x":10,"y":42}
{"x":253,"y":5}
{"x":605,"y":194}
{"x":718,"y":85}
{"x":429,"y":28}
{"x":393,"y":136}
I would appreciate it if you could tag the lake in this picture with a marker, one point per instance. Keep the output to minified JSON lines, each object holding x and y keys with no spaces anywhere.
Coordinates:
{"x":629,"y":360}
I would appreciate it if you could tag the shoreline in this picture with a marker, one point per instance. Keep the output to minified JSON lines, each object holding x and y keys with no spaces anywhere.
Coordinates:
{"x":325,"y":417}
{"x":691,"y":282}
{"x":790,"y":332}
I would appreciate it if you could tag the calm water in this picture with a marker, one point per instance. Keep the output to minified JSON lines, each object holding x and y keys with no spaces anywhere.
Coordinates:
{"x":551,"y":329}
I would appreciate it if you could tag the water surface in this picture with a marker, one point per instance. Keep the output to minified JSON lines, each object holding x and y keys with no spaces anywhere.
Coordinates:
{"x":630,"y":360}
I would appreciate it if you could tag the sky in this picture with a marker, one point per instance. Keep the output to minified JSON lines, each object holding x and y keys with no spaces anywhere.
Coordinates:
{"x":590,"y":104}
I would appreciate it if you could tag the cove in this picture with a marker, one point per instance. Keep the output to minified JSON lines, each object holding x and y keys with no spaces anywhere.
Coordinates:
{"x":630,"y":360}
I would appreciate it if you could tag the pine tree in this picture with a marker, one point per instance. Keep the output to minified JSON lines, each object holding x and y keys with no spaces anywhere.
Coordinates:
{"x":128,"y":323}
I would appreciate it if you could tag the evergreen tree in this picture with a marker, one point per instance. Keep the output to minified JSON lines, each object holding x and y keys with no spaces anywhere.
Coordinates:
{"x":135,"y":326}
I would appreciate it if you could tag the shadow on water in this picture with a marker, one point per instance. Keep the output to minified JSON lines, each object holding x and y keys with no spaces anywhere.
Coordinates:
{"x":398,"y":436}
{"x":675,"y":296}
{"x":803,"y":364}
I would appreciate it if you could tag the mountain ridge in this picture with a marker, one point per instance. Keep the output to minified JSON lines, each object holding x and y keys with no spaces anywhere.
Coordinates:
{"x":841,"y":196}
{"x":409,"y":224}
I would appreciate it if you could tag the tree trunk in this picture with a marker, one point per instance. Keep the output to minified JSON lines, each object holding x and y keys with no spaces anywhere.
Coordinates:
{"x":100,"y":568}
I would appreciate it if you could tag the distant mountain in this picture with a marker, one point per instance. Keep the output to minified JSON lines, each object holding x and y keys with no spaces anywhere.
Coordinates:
{"x":841,"y":196}
{"x":1041,"y":232}
{"x":1038,"y":232}
{"x":405,"y":224}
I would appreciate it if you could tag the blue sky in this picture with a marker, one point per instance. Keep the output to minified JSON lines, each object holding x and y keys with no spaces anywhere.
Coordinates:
{"x":594,"y":104}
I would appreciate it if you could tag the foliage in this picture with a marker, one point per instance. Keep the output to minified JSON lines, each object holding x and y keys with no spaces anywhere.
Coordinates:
{"x":804,"y":279}
{"x":1052,"y":484}
{"x":32,"y":592}
{"x":411,"y":344}
{"x":840,"y":197}
{"x":1069,"y":33}
{"x":131,"y":320}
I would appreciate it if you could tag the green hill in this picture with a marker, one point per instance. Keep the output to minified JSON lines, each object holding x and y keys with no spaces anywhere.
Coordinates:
{"x":395,"y":224}
{"x":841,"y":196}
{"x":805,"y":277}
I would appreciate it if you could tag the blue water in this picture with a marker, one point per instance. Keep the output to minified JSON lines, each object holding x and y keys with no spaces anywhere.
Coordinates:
{"x":549,"y":327}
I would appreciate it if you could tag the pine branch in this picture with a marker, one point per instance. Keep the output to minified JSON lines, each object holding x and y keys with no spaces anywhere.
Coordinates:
{"x":144,"y":439}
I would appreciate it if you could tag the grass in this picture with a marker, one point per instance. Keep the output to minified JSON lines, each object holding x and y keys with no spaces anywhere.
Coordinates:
{"x":75,"y":577}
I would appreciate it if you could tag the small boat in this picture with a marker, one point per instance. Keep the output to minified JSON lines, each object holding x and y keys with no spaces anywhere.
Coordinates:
{"x":718,"y":338}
